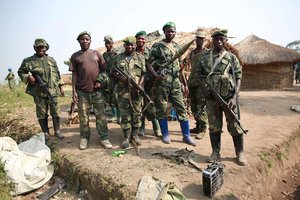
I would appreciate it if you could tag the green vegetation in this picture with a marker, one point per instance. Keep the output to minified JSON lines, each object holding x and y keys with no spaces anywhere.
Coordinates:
{"x":267,"y":158}
{"x":5,"y":185}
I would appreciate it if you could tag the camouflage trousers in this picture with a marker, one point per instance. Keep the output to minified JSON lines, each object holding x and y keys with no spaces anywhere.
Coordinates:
{"x":169,"y":90}
{"x":131,"y":117}
{"x":198,"y":107}
{"x":11,"y":85}
{"x":86,"y":101}
{"x":215,"y":119}
{"x":42,"y":105}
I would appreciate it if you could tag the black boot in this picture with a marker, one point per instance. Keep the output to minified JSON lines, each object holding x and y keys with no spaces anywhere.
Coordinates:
{"x":196,"y":129}
{"x":135,"y":136}
{"x":239,"y":149}
{"x":44,"y":127}
{"x":215,"y":140}
{"x":56,"y":127}
{"x":126,"y":139}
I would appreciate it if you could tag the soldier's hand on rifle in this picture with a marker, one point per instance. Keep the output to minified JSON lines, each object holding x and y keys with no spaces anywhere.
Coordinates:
{"x":97,"y":85}
{"x":207,"y":94}
{"x":232,"y":103}
{"x":31,"y":80}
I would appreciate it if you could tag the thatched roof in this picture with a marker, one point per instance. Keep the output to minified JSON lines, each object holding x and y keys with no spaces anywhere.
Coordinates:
{"x":181,"y":38}
{"x":254,"y":50}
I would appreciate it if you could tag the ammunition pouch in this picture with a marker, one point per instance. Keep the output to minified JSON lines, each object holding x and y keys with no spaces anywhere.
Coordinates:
{"x":223,"y":84}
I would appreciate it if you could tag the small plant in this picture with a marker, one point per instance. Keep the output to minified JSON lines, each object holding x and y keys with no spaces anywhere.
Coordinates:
{"x":5,"y":185}
{"x":266,"y":157}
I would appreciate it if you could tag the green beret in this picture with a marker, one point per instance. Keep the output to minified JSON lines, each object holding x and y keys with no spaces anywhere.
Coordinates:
{"x":108,"y":38}
{"x":169,"y":24}
{"x":140,"y":33}
{"x":83,"y":33}
{"x":222,"y":32}
{"x":200,"y":34}
{"x":129,"y":40}
{"x":41,"y":42}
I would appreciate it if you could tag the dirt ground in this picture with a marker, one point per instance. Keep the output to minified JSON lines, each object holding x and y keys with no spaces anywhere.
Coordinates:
{"x":267,"y":116}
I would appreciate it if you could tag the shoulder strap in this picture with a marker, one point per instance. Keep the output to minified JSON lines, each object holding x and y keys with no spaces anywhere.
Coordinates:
{"x":216,"y":62}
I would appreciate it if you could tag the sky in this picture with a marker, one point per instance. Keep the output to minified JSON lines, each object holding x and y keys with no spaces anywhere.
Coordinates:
{"x":60,"y":21}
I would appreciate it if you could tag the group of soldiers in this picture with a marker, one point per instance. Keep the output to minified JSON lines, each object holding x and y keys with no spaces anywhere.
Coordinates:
{"x":123,"y":80}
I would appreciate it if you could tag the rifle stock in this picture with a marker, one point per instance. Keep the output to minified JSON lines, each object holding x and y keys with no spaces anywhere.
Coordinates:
{"x":149,"y":104}
{"x":204,"y":86}
{"x":44,"y":86}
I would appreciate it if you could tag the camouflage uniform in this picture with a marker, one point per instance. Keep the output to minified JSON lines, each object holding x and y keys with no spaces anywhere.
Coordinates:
{"x":222,"y":80}
{"x":169,"y":88}
{"x":11,"y":80}
{"x":135,"y":67}
{"x":47,"y":69}
{"x":150,"y":87}
{"x":220,"y":76}
{"x":197,"y":99}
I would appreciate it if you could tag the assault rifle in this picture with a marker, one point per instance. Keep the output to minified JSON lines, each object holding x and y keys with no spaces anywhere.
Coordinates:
{"x":204,"y":86}
{"x":44,"y":86}
{"x":149,"y":103}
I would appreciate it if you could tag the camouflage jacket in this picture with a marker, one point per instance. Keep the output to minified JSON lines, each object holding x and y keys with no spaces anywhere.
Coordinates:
{"x":10,"y":76}
{"x":221,"y":77}
{"x":47,"y":68}
{"x":161,"y":53}
{"x":136,"y":67}
{"x":194,"y":58}
{"x":108,"y":57}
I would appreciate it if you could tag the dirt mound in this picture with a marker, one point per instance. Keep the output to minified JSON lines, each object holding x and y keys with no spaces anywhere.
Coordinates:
{"x":271,"y":146}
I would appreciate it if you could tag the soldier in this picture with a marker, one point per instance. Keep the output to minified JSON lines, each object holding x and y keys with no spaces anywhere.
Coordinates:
{"x":197,"y":99}
{"x":168,"y":86}
{"x":45,"y":66}
{"x":224,"y":74}
{"x":11,"y":79}
{"x":108,"y":57}
{"x":149,"y":83}
{"x":297,"y":73}
{"x":130,"y":102}
{"x":88,"y":81}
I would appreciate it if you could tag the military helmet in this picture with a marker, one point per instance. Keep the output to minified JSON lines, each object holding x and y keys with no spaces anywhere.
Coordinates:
{"x":200,"y":34}
{"x":41,"y":42}
{"x":84,"y":33}
{"x":168,"y":24}
{"x":221,"y":32}
{"x":108,"y":38}
{"x":129,"y":40}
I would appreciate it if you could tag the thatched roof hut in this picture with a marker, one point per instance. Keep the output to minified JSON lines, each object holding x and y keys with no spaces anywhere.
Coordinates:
{"x":266,"y":65}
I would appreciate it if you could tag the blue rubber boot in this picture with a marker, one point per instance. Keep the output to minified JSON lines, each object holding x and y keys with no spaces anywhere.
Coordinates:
{"x":163,"y":123}
{"x":185,"y":129}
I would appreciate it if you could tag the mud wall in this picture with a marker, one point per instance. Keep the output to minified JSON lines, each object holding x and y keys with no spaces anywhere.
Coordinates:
{"x":270,"y":76}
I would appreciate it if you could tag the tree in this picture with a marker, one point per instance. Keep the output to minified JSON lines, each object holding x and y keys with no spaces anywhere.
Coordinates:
{"x":295,"y":45}
{"x":67,"y":62}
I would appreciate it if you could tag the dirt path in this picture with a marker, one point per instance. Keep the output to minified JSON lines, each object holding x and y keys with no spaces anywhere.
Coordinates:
{"x":266,"y":114}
